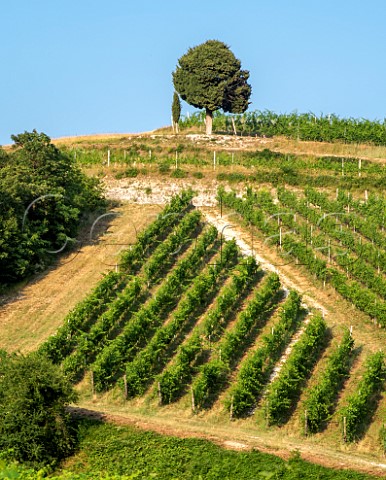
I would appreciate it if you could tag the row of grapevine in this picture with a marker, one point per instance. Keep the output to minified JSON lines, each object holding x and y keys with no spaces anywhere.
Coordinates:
{"x":362,"y":403}
{"x":328,"y":223}
{"x":58,"y":346}
{"x":361,"y":265}
{"x":110,"y":362}
{"x":363,"y":298}
{"x":299,"y":126}
{"x":132,"y":259}
{"x":145,"y":365}
{"x":255,"y":370}
{"x":321,"y":398}
{"x":365,"y":225}
{"x":175,"y":378}
{"x":91,"y":342}
{"x":284,"y":391}
{"x":214,"y":373}
{"x":84,"y":314}
{"x":166,"y":252}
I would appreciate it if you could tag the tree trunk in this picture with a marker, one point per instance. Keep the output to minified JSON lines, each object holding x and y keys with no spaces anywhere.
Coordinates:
{"x":208,"y":122}
{"x":234,"y":126}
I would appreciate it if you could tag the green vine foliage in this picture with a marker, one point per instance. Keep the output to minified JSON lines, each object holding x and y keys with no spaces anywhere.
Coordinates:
{"x":284,"y":391}
{"x":322,"y":397}
{"x":362,"y":403}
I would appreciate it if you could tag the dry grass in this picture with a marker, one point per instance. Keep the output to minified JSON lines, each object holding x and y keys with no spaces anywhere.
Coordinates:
{"x":278,"y":144}
{"x":35,"y":311}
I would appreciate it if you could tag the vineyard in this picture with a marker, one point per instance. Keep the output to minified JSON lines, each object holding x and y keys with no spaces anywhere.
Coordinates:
{"x":190,"y":323}
{"x":300,"y":126}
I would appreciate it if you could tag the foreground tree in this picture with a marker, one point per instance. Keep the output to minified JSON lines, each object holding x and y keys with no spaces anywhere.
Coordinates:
{"x":44,"y":197}
{"x":34,"y":426}
{"x":209,"y":76}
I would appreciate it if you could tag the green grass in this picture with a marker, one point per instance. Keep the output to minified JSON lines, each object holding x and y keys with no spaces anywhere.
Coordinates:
{"x":110,"y":452}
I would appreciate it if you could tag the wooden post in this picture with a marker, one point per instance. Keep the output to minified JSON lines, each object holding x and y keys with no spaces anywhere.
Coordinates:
{"x":193,"y":400}
{"x":125,"y":391}
{"x":108,"y":157}
{"x":344,"y":429}
{"x":366,"y":195}
{"x":359,"y":167}
{"x":267,"y":414}
{"x":214,"y":160}
{"x":92,"y":383}
{"x":305,"y":423}
{"x":150,"y":154}
{"x":231,"y":410}
{"x":159,"y":394}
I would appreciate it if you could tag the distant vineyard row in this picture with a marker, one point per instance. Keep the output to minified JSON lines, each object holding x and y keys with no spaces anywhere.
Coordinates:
{"x":342,"y":241}
{"x":300,"y":126}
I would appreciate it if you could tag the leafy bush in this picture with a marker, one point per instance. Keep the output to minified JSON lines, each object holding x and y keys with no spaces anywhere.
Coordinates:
{"x":34,"y":426}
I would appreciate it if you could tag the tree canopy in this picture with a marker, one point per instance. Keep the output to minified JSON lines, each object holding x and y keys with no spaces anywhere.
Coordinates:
{"x":209,"y":76}
{"x":34,"y":426}
{"x":43,"y":195}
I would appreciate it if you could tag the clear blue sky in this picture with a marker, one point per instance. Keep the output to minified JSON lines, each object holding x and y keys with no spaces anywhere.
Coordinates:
{"x":75,"y":67}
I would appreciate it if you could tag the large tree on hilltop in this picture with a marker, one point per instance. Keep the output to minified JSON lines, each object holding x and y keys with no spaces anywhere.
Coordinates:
{"x":209,"y":76}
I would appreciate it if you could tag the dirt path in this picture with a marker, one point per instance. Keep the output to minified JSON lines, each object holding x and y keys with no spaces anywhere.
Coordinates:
{"x":238,"y":440}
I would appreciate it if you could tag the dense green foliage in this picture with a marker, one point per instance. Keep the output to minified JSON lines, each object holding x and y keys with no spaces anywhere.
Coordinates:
{"x":34,"y":426}
{"x":43,"y":195}
{"x":209,"y":76}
